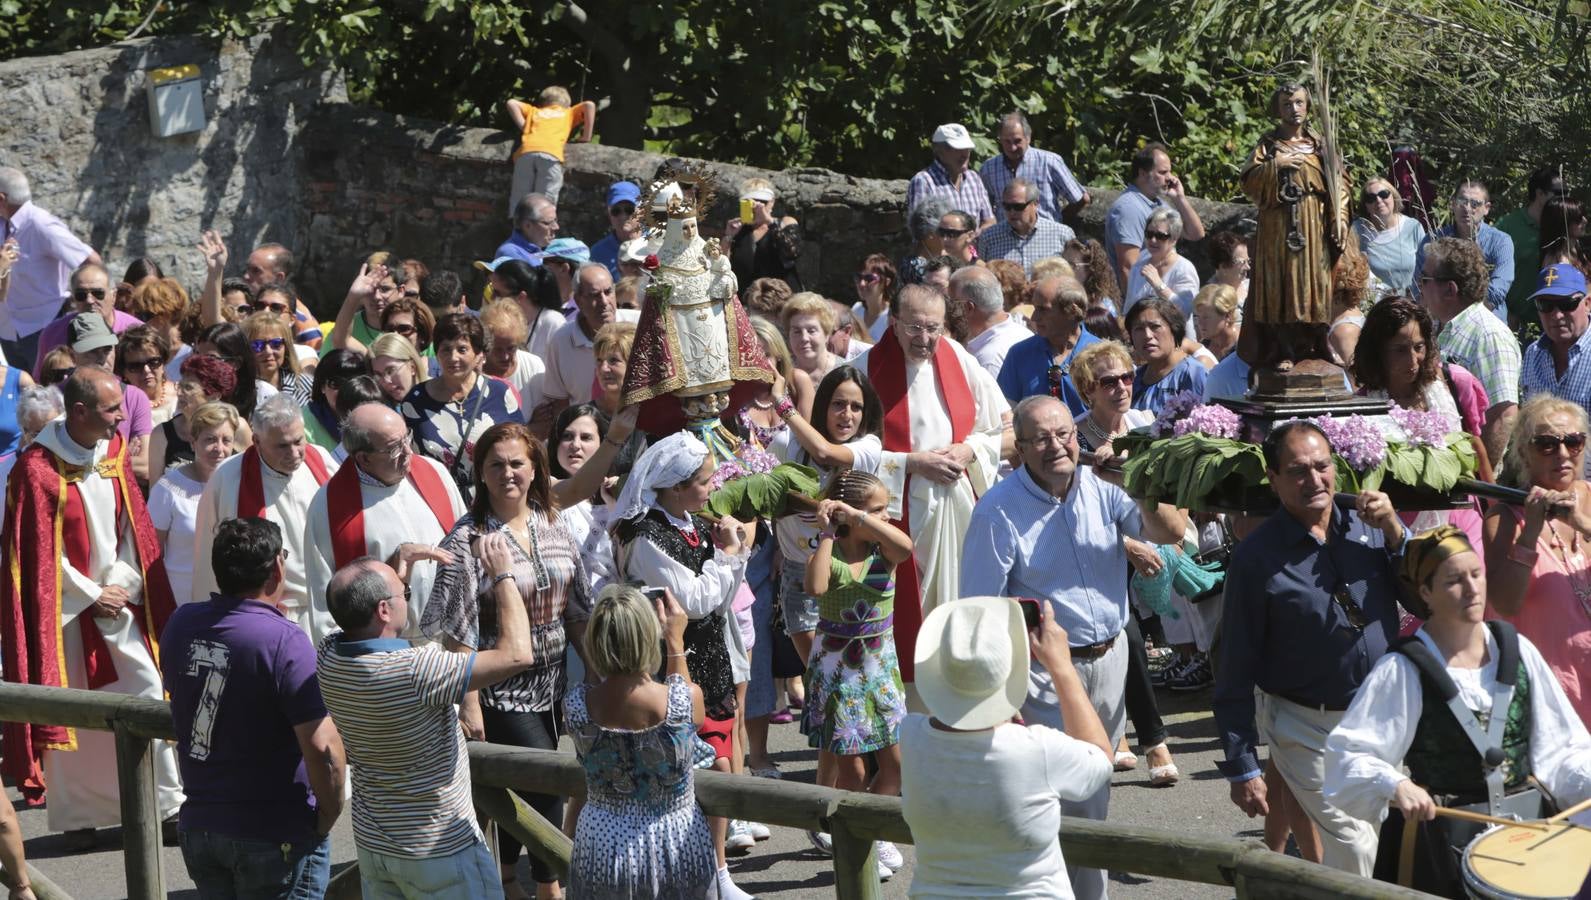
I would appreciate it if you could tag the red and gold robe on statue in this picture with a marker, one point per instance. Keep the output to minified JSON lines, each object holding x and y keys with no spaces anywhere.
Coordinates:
{"x":75,"y":522}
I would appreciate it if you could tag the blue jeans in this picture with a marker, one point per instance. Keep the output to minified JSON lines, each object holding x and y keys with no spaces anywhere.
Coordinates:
{"x":470,"y":874}
{"x":226,"y":867}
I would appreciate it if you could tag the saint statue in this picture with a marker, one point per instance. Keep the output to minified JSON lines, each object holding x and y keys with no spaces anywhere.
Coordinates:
{"x":1293,"y":176}
{"x":695,"y":356}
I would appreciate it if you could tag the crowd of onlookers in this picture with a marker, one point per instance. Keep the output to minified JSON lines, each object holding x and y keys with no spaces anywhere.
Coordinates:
{"x":432,"y":519}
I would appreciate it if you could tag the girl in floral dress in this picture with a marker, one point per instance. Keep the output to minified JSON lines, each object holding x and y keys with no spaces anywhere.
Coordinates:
{"x":855,"y":700}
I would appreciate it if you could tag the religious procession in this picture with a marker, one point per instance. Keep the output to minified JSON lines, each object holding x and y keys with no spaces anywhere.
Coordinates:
{"x":946,"y":543}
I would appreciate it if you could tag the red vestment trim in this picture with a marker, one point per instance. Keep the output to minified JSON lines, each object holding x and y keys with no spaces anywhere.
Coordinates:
{"x":345,"y":508}
{"x":251,"y":481}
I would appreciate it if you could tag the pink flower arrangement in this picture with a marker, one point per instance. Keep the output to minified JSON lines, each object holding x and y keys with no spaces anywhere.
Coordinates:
{"x":749,"y":460}
{"x":1211,"y":419}
{"x":1176,"y":409}
{"x":1356,"y":439}
{"x":1424,"y":428}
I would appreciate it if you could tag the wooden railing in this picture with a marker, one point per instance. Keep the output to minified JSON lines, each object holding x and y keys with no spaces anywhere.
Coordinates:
{"x":854,"y":820}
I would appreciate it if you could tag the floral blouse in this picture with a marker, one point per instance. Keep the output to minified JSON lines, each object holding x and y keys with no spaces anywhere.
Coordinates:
{"x":553,"y":582}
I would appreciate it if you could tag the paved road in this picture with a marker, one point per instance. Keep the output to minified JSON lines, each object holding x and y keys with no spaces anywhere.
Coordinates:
{"x":785,"y":866}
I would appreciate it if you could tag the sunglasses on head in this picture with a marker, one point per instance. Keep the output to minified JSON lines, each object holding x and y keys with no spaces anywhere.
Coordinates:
{"x":1559,"y":304}
{"x":1157,"y":236}
{"x":274,"y":343}
{"x":1376,"y":195}
{"x":81,"y":294}
{"x":1548,"y":444}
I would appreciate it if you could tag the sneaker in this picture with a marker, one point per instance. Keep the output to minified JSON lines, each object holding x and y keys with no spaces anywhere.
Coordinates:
{"x":889,"y":855}
{"x":727,"y":889}
{"x":1195,"y":676}
{"x":1161,"y":676}
{"x":821,"y":841}
{"x":739,"y":837}
{"x":758,"y":830}
{"x":782,"y":717}
{"x":1157,"y":654}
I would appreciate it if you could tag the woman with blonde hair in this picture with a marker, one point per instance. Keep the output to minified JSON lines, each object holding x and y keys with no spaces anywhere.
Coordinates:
{"x":762,"y":247}
{"x":1217,"y":315}
{"x":275,"y":362}
{"x":1538,"y":559}
{"x":808,"y":320}
{"x":1389,"y":240}
{"x":506,"y":356}
{"x":612,"y":348}
{"x":759,"y":419}
{"x":396,"y":366}
{"x":640,"y":833}
{"x":174,"y":499}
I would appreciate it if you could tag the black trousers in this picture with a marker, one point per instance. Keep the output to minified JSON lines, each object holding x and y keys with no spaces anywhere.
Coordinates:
{"x":537,"y":730}
{"x":1141,"y":705}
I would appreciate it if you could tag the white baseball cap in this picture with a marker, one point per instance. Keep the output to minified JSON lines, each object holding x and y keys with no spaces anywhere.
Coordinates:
{"x":954,"y":135}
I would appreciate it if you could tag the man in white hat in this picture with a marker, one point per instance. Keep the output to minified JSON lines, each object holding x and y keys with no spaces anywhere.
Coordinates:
{"x":949,"y":175}
{"x":1054,"y":531}
{"x":972,"y":670}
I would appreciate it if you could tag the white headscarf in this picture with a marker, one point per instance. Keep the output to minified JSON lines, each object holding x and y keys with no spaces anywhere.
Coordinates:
{"x":664,"y":464}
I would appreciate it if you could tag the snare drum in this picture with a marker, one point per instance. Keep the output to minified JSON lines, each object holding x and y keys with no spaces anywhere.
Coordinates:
{"x":1514,"y":862}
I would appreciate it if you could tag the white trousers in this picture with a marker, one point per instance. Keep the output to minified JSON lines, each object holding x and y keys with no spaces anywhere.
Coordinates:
{"x":1297,"y":738}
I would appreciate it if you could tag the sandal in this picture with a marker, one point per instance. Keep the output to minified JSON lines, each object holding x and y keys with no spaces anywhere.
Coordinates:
{"x":782,"y":717}
{"x":1124,"y":761}
{"x":1166,"y":775}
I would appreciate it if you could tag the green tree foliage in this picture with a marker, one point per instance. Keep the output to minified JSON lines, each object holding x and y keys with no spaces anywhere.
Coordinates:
{"x":1482,"y":87}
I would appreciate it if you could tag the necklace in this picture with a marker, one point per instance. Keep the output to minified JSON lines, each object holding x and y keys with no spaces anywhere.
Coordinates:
{"x":760,"y":404}
{"x":1574,"y":566}
{"x":1097,"y":435}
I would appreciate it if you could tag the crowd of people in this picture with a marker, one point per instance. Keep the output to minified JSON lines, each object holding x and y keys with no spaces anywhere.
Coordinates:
{"x":344,"y":550}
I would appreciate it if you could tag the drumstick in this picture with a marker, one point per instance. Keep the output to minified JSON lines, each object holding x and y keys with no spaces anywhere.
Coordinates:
{"x":1580,"y":807}
{"x":1468,"y":816}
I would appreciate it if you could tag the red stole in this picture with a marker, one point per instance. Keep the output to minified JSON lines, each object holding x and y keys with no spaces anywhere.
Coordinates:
{"x":45,"y":523}
{"x":886,"y":368}
{"x":345,"y":508}
{"x":251,"y":483}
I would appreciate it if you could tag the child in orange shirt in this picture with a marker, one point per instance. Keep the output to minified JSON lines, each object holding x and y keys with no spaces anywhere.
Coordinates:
{"x":543,"y":130}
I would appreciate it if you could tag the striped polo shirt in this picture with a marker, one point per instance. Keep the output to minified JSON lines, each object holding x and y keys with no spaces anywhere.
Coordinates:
{"x":395,"y":706}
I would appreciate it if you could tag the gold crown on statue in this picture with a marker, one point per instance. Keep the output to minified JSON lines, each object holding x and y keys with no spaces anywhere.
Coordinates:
{"x":666,"y":198}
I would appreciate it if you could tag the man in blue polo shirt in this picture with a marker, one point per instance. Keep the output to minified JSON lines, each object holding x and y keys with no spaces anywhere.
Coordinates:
{"x":1042,"y":364}
{"x":261,"y":761}
{"x":622,"y":225}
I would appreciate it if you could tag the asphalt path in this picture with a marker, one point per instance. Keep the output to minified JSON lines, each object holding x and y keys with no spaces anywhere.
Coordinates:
{"x":786,"y":866}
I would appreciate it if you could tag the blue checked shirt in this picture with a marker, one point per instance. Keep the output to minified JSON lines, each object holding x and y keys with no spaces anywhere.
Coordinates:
{"x":971,"y":197}
{"x":1058,"y":187}
{"x":1538,"y":375}
{"x":1045,"y":240}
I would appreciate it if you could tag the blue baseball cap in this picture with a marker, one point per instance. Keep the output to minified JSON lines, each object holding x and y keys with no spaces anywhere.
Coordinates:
{"x":484,"y":266}
{"x":623,"y":192}
{"x":573,"y":250}
{"x":1560,"y":280}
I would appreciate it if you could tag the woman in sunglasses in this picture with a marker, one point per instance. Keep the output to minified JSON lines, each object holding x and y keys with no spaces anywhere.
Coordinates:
{"x":956,"y":232}
{"x":411,"y":319}
{"x":141,"y":357}
{"x":1162,"y":272}
{"x":275,"y":363}
{"x":1388,"y":239}
{"x":876,"y":283}
{"x":1538,"y":558}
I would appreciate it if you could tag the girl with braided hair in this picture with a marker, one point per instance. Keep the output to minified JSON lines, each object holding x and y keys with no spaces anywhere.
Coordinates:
{"x":855,"y":698}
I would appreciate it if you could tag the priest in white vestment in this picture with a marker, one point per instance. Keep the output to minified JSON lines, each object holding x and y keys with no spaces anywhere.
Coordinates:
{"x":946,"y":428}
{"x":387,"y":502}
{"x":85,"y":604}
{"x":276,"y":479}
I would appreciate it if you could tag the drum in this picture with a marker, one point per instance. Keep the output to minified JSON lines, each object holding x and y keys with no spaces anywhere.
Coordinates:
{"x":1512,"y":862}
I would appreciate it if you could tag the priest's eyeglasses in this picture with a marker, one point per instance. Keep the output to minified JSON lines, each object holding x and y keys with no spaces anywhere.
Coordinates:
{"x":922,"y":330}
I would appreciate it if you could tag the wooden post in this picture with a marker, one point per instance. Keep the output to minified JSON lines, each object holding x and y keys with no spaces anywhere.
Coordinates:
{"x":541,"y":837}
{"x":855,"y":863}
{"x":135,"y":777}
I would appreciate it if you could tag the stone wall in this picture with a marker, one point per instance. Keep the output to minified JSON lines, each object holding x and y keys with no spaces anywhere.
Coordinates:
{"x":78,"y":125}
{"x":285,"y":158}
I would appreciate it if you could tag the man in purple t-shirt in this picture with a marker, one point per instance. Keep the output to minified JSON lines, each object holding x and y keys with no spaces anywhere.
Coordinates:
{"x":261,"y":761}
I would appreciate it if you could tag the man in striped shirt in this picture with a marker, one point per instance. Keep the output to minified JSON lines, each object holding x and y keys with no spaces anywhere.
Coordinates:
{"x":395,"y":706}
{"x":950,"y":176}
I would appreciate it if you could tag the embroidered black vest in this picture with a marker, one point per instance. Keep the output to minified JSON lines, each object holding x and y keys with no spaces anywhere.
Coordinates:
{"x":708,"y":659}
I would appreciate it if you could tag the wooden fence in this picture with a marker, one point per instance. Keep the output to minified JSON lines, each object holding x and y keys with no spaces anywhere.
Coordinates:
{"x":854,"y":820}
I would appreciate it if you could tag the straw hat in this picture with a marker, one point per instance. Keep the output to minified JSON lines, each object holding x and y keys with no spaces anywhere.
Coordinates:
{"x":972,"y":662}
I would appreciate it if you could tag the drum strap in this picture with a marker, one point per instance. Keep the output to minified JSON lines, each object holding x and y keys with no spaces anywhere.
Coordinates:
{"x":1488,"y":738}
